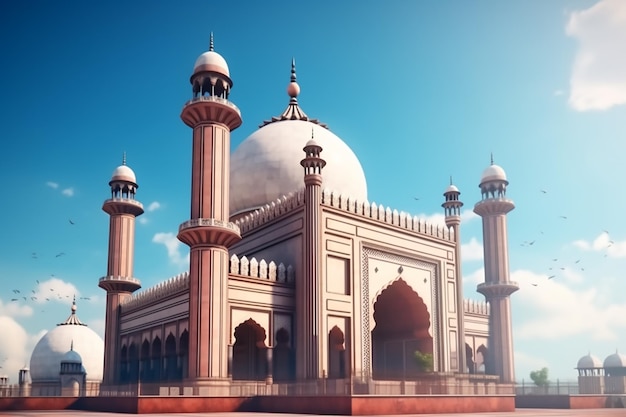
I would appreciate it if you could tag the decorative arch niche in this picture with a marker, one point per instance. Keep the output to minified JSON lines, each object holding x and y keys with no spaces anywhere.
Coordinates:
{"x":249,"y":352}
{"x":336,"y":353}
{"x":402,"y":324}
{"x":283,"y":357}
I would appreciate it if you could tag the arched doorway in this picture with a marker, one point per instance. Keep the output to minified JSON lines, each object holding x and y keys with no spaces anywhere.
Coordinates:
{"x":133,"y":363}
{"x":249,"y":352}
{"x":124,"y":365}
{"x":170,"y":358}
{"x":282,"y":357}
{"x":402,"y":327}
{"x":482,"y":360}
{"x":469,"y":357}
{"x":144,"y":368}
{"x":156,"y":359}
{"x":184,"y":355}
{"x":336,"y":354}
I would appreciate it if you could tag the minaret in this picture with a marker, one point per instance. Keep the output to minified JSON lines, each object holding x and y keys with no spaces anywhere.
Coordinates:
{"x":497,"y":287}
{"x":452,"y":207}
{"x":309,"y":293}
{"x":209,"y":233}
{"x":119,"y":282}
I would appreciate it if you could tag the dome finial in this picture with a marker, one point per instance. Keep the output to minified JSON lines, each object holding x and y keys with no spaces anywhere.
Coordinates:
{"x":450,"y":179}
{"x":211,"y":42}
{"x":72,"y":345}
{"x":124,"y":158}
{"x":312,"y":133}
{"x":293,"y":69}
{"x":491,"y":158}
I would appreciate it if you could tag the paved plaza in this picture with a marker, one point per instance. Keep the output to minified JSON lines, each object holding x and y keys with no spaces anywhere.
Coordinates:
{"x":604,"y":412}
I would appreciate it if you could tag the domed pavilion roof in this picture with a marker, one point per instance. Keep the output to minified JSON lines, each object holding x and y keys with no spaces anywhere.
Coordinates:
{"x":266,"y":165}
{"x":84,"y":344}
{"x":589,"y":361}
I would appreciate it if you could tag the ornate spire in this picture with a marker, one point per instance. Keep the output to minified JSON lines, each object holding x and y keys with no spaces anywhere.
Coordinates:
{"x":124,"y":158}
{"x":73,"y":318}
{"x":491,"y":158}
{"x":293,"y":110}
{"x":450,"y":179}
{"x":211,"y":42}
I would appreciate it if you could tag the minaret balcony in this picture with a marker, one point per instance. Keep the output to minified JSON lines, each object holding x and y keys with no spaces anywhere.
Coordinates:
{"x":497,"y":289}
{"x":211,"y":109}
{"x":119,"y":283}
{"x":203,"y":231}
{"x":120,"y":205}
{"x":493,"y":206}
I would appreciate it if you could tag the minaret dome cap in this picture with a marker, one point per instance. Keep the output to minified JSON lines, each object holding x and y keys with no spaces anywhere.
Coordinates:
{"x":452,"y":189}
{"x":211,"y":61}
{"x":124,"y":173}
{"x":493,"y":173}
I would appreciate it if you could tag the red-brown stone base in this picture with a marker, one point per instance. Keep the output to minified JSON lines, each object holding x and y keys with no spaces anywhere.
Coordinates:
{"x":337,"y":405}
{"x":570,"y":401}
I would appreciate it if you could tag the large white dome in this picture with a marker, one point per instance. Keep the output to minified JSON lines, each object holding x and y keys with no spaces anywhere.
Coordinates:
{"x":266,"y":165}
{"x":45,"y":362}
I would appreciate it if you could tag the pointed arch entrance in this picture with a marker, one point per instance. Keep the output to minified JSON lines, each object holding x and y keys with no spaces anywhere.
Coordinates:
{"x":336,"y":354}
{"x":249,"y":352}
{"x":170,"y":358}
{"x":283,"y":358}
{"x":402,"y":327}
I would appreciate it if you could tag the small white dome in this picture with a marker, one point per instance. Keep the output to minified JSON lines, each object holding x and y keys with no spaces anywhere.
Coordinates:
{"x":211,"y":61}
{"x":72,"y":356}
{"x":124,"y":173}
{"x":266,"y":165}
{"x":493,"y":173}
{"x":452,"y":189}
{"x":589,"y":362}
{"x":616,"y":360}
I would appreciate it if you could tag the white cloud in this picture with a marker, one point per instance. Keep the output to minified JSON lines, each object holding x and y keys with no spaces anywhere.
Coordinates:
{"x":173,"y":246}
{"x":68,"y":192}
{"x":553,"y":310}
{"x":143,"y":220}
{"x":603,"y":243}
{"x":55,"y":290}
{"x":52,"y":184}
{"x":475,"y":277}
{"x":472,"y":251}
{"x":15,"y":308}
{"x":155,"y":205}
{"x":558,"y":93}
{"x":14,"y":350}
{"x":598,"y":79}
{"x":439,"y":219}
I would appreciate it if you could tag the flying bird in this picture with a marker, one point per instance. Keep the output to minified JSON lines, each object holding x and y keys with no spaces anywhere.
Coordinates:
{"x":533,"y":284}
{"x":59,"y":254}
{"x":551,"y":276}
{"x":71,"y":222}
{"x":544,"y":191}
{"x":563,"y":217}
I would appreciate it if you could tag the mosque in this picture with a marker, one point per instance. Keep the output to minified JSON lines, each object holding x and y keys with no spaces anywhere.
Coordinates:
{"x":294,"y":275}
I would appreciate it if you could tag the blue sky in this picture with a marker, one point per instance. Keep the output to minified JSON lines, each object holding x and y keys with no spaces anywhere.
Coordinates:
{"x":420,"y":90}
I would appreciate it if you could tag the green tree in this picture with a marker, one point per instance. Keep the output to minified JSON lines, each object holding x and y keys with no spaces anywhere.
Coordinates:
{"x":424,"y":361}
{"x":540,"y":377}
